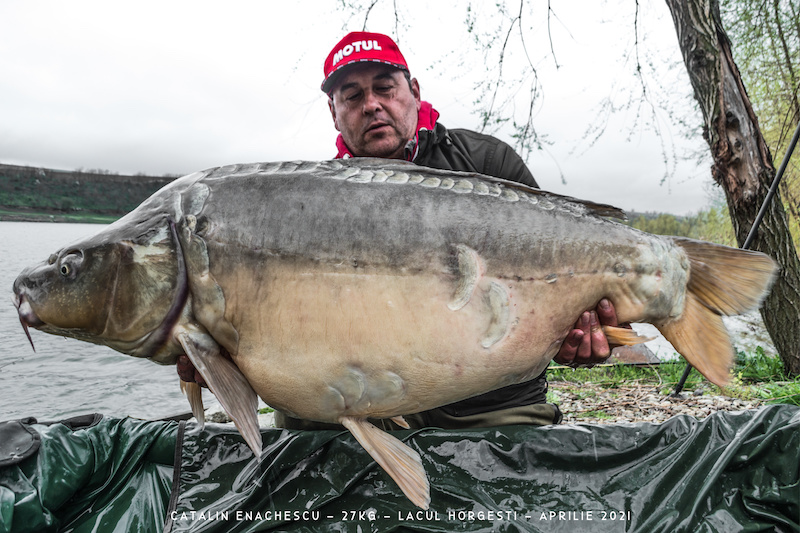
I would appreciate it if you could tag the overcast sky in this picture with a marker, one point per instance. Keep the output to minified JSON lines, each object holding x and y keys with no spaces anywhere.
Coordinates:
{"x":172,"y":87}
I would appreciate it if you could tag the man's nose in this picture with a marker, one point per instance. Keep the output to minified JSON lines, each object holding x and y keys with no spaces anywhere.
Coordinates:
{"x":371,"y":102}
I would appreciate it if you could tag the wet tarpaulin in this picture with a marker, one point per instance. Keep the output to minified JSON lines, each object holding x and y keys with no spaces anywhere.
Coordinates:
{"x":730,"y":472}
{"x":85,"y":474}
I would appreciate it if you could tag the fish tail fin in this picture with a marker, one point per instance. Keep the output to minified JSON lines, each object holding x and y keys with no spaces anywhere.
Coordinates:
{"x":700,"y":336}
{"x":722,"y":281}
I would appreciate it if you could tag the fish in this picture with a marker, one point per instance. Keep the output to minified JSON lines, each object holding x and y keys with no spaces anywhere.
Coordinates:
{"x":351,"y":290}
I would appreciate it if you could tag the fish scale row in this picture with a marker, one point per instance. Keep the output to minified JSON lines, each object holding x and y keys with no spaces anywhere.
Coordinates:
{"x":359,"y":174}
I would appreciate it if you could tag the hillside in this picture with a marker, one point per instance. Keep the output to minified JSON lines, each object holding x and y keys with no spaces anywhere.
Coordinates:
{"x":40,"y":194}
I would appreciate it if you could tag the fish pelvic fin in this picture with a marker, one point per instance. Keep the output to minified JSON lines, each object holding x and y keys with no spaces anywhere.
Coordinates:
{"x":722,"y":281}
{"x":227,"y":383}
{"x":194,"y":393}
{"x":400,"y":421}
{"x":403,"y":464}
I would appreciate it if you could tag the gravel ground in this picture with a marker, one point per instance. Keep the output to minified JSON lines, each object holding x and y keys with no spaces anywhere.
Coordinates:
{"x":593,"y":404}
{"x":636,"y":403}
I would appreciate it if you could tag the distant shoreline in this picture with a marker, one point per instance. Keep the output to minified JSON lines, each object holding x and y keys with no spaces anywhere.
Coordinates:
{"x":30,"y":194}
{"x":10,"y":215}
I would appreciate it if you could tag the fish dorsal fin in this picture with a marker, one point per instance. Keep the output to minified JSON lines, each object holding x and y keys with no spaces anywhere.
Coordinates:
{"x":227,"y":383}
{"x":403,"y":464}
{"x":593,"y":208}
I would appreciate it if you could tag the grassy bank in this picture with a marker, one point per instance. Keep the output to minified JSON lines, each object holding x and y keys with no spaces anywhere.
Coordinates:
{"x":756,"y":376}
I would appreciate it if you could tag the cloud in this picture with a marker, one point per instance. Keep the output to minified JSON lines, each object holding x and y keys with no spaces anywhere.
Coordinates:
{"x":173,"y":87}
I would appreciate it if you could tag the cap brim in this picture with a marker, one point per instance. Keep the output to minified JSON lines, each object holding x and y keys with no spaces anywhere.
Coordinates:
{"x":329,"y":82}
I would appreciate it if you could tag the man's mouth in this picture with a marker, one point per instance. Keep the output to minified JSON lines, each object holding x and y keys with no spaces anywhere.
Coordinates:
{"x":377,"y":127}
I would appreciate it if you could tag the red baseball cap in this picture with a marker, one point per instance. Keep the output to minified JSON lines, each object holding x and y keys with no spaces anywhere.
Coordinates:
{"x":361,"y":46}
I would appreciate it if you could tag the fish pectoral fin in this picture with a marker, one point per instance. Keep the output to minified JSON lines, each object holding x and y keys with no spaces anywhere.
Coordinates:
{"x":623,"y":336}
{"x":227,"y":383}
{"x":403,"y":464}
{"x":194,"y":393}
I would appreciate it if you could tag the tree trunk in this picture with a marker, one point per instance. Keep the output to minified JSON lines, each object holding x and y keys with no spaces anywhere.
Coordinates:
{"x":742,"y":162}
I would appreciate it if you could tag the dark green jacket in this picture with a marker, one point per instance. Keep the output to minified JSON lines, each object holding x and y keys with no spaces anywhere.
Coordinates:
{"x":469,"y":151}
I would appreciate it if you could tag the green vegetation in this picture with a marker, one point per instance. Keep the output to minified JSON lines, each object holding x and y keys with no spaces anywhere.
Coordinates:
{"x":597,"y":415}
{"x":28,"y":193}
{"x":756,"y":376}
{"x":712,"y":225}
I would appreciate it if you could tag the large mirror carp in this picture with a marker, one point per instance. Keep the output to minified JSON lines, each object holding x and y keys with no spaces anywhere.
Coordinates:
{"x":344,"y":290}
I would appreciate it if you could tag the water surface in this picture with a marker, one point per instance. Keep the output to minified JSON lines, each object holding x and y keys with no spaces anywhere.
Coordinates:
{"x":67,"y":377}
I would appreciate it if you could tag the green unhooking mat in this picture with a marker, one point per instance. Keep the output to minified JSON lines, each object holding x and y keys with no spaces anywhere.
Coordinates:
{"x":731,"y":472}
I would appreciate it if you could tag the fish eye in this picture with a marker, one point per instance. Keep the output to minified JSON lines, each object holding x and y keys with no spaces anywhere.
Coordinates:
{"x":70,"y":263}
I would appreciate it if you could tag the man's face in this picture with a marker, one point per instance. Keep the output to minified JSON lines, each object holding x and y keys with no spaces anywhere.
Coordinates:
{"x":375,"y":110}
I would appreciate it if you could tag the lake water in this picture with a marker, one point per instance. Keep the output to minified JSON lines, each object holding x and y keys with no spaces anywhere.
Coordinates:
{"x":66,"y":377}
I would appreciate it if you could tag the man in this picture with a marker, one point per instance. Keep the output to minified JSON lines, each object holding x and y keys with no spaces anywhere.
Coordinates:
{"x":377,"y":108}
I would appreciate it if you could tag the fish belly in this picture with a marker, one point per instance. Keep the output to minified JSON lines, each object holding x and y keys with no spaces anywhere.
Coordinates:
{"x":322,"y":344}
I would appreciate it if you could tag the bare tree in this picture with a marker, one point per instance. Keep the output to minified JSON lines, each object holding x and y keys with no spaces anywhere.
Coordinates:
{"x":742,"y":162}
{"x":765,"y":35}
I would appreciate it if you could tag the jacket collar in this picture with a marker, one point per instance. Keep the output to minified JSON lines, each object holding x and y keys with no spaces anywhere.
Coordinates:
{"x":425,"y":122}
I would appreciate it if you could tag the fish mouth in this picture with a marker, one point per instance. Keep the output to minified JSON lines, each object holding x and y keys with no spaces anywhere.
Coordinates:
{"x":27,"y":316}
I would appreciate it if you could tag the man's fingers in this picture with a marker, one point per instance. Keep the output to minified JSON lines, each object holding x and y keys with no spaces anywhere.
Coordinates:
{"x":584,"y":352}
{"x":566,"y":355}
{"x":185,"y":369}
{"x":599,"y":342}
{"x":606,"y":313}
{"x":187,"y":372}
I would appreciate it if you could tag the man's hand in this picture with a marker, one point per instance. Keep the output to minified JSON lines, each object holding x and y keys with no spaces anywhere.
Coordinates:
{"x":586,"y":344}
{"x":187,"y":372}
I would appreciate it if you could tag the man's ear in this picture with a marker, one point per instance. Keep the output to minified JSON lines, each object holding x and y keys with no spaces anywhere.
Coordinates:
{"x":333,"y":113}
{"x":415,"y":91}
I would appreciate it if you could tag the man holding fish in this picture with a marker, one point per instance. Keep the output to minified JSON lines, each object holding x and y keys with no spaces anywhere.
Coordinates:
{"x":366,"y":289}
{"x":377,"y":108}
